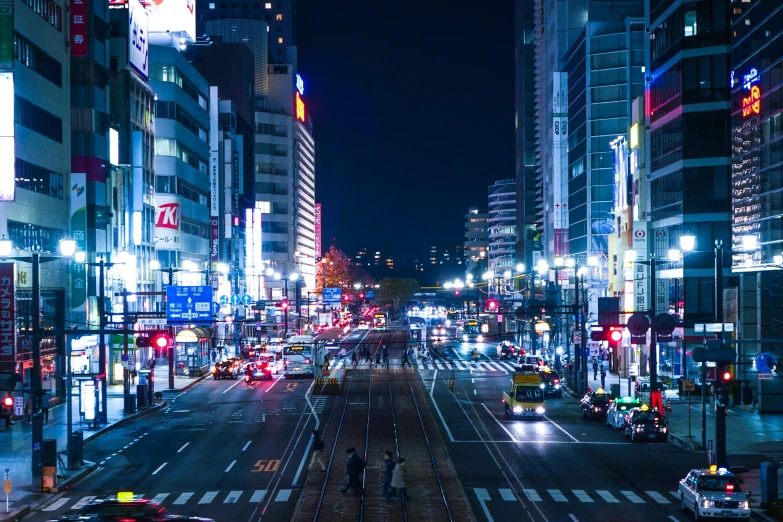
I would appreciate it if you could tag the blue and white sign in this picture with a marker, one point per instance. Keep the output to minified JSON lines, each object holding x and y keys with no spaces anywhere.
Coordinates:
{"x":246,"y":300}
{"x":370,"y":294}
{"x":234,"y":299}
{"x":224,"y":299}
{"x":749,"y":79}
{"x":215,"y":308}
{"x":138,"y":46}
{"x":332,"y":295}
{"x":189,"y":304}
{"x":766,"y":363}
{"x":300,"y":85}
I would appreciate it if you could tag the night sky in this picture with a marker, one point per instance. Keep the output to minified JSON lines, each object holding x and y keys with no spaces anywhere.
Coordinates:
{"x":413,"y":109}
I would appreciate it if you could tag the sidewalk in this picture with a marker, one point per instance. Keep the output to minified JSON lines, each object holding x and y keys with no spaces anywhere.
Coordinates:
{"x":17,"y":441}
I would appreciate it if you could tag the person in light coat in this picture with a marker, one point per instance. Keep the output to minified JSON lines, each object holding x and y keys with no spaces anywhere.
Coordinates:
{"x":398,"y":481}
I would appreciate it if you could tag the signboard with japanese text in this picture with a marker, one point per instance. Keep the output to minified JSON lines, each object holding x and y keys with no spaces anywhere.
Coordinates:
{"x":138,"y":44}
{"x":79,"y":35}
{"x":7,"y":315}
{"x":318,"y":230}
{"x":332,"y":295}
{"x":79,"y":234}
{"x":168,"y":234}
{"x":189,"y":304}
{"x":640,"y":288}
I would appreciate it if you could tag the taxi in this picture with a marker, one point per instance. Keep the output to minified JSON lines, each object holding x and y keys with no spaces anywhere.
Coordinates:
{"x":551,"y":379}
{"x":619,"y":410}
{"x":125,"y":506}
{"x":595,"y":404}
{"x":713,"y":492}
{"x":506,"y":350}
{"x":645,"y":423}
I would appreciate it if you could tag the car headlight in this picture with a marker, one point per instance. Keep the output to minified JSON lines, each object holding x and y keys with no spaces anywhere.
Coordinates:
{"x":557,"y":386}
{"x":744,"y":504}
{"x":465,"y":338}
{"x":517,"y":409}
{"x":540,"y":410}
{"x":639,"y":428}
{"x":597,"y":408}
{"x":707,"y":503}
{"x":480,"y":338}
{"x":662,"y":429}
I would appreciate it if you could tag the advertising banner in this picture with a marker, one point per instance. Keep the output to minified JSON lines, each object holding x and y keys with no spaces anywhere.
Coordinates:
{"x":6,"y":37}
{"x":7,"y":139}
{"x":79,"y":17}
{"x":138,"y":45}
{"x":214,"y":249}
{"x":174,"y":16}
{"x":317,"y":230}
{"x":168,"y":233}
{"x":79,"y":234}
{"x":7,"y":315}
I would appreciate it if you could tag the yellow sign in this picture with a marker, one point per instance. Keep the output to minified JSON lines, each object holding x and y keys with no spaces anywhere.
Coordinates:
{"x":124,"y":496}
{"x":6,"y":486}
{"x":634,"y":136}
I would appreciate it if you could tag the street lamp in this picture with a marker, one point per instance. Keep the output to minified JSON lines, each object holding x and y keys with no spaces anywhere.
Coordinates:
{"x":223,"y":268}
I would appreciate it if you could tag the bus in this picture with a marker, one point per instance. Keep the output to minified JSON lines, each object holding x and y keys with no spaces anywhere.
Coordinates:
{"x":471,"y":331}
{"x":380,"y":321}
{"x":298,"y":355}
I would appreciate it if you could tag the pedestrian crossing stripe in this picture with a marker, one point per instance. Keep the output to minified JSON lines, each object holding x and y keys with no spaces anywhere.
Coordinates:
{"x":590,"y":497}
{"x":438,"y":364}
{"x":209,"y":497}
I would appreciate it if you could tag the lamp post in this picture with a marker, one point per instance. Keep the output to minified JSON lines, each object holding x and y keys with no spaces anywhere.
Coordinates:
{"x":67,"y":249}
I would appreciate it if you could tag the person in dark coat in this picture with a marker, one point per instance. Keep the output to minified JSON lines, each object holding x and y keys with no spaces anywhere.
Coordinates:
{"x":318,"y":448}
{"x":388,"y":468}
{"x":354,"y":465}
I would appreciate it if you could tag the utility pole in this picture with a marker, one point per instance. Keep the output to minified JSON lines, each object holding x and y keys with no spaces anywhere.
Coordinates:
{"x":170,"y":349}
{"x":103,"y":373}
{"x":125,"y":370}
{"x":653,"y":358}
{"x":36,"y":383}
{"x":721,"y":392}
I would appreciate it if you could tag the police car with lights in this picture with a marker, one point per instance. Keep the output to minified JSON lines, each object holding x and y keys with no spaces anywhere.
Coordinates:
{"x":713,"y":492}
{"x":619,"y":410}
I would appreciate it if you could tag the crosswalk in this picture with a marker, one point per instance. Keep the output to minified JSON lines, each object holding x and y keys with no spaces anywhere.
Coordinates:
{"x":433,"y":364}
{"x":582,"y":495}
{"x":184,"y":498}
{"x":319,"y":402}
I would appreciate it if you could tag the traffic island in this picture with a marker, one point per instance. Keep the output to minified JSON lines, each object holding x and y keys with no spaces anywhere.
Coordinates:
{"x":331,"y":385}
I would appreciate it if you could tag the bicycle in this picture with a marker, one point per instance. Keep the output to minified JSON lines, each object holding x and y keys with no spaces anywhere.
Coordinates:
{"x":61,"y":468}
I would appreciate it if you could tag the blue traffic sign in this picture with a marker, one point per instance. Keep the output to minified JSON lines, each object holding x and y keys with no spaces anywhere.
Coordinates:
{"x":215,"y":308}
{"x":370,"y":294}
{"x":246,"y":300}
{"x":332,"y":295}
{"x":224,"y":299}
{"x":189,"y":304}
{"x":765,"y":363}
{"x":124,"y":357}
{"x":234,"y":299}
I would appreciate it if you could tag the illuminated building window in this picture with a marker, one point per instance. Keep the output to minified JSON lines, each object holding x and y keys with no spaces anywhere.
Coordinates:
{"x":268,"y":5}
{"x":279,"y":39}
{"x":264,"y":206}
{"x":690,"y":23}
{"x":212,"y":5}
{"x":278,"y":17}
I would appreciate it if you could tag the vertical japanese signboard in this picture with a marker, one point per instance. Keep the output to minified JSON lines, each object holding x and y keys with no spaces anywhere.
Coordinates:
{"x":138,"y":45}
{"x":79,"y":28}
{"x":79,"y":234}
{"x":7,"y":315}
{"x":559,"y":152}
{"x":317,"y":230}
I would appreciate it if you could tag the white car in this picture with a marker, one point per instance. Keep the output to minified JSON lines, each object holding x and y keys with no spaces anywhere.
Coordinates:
{"x":713,"y":493}
{"x":618,"y":411}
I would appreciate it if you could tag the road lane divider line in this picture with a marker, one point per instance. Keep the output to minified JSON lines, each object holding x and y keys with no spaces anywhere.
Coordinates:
{"x":310,"y":404}
{"x":434,"y":379}
{"x":675,"y":494}
{"x":238,"y":381}
{"x":244,"y":448}
{"x":445,"y":426}
{"x":83,"y":502}
{"x":230,"y":466}
{"x":183,"y":447}
{"x":233,"y":497}
{"x":275,"y":382}
{"x":54,"y":506}
{"x":208,"y":497}
{"x":258,"y":495}
{"x":633,"y":497}
{"x":182,"y":499}
{"x":608,"y":497}
{"x":532,"y":495}
{"x":483,"y":496}
{"x":283,"y":495}
{"x":556,"y":425}
{"x":159,"y":468}
{"x":660,"y":499}
{"x":507,"y":495}
{"x":511,"y":435}
{"x":573,"y":518}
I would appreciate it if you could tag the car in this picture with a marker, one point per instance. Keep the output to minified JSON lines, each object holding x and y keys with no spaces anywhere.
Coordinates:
{"x":617,"y":414}
{"x":535,"y":360}
{"x":125,"y":506}
{"x":553,"y":387}
{"x":713,"y":493}
{"x":507,"y":350}
{"x":645,"y":423}
{"x":595,"y":404}
{"x":224,"y":370}
{"x":261,"y":371}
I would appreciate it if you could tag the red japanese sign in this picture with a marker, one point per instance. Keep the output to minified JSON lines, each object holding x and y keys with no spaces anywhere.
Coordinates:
{"x":7,"y":315}
{"x":79,"y":27}
{"x":317,"y":230}
{"x":752,"y":104}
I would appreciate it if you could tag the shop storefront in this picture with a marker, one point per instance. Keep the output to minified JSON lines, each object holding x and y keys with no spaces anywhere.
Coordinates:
{"x":192,"y":347}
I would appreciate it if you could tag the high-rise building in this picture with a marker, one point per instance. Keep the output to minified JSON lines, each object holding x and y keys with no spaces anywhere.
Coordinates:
{"x":361,"y":257}
{"x":250,"y":32}
{"x":433,"y":255}
{"x":376,"y":259}
{"x":529,"y":219}
{"x":476,"y":238}
{"x":501,"y":222}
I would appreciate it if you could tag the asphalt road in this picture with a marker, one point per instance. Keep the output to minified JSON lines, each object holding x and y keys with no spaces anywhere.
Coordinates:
{"x":563,"y":468}
{"x":221,"y":450}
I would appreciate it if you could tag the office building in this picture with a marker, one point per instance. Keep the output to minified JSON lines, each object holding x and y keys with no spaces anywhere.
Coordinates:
{"x":361,"y":257}
{"x":249,"y":32}
{"x":476,"y":239}
{"x":501,"y":224}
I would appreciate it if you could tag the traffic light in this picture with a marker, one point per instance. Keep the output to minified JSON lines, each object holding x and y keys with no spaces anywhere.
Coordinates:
{"x":725,"y":375}
{"x":614,"y":336}
{"x":8,"y":402}
{"x":284,"y":305}
{"x":597,"y":335}
{"x":160,"y":341}
{"x":492,"y":305}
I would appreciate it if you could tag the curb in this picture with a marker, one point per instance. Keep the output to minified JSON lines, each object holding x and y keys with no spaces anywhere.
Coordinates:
{"x":757,"y":514}
{"x":69,"y":481}
{"x":684,"y":442}
{"x":14,"y":514}
{"x":125,"y":420}
{"x":571,"y":393}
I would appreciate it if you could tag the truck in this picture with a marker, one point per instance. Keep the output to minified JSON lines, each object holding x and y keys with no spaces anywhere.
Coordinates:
{"x":526,"y":396}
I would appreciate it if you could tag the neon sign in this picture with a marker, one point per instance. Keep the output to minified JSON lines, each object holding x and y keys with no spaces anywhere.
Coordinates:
{"x":752,"y":104}
{"x":300,"y":84}
{"x":749,"y":79}
{"x":300,"y":108}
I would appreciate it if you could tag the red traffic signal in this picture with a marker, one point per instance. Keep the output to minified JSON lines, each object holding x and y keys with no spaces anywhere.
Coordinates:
{"x":8,"y":401}
{"x":492,"y":304}
{"x":160,"y":341}
{"x":284,"y":305}
{"x":615,"y":336}
{"x":726,"y":375}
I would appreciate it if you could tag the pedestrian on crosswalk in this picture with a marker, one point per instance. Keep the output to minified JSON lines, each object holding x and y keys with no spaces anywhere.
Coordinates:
{"x":405,"y":359}
{"x":398,"y":481}
{"x":354,"y":362}
{"x":354,"y":465}
{"x":385,"y":352}
{"x":388,"y":468}
{"x":378,"y":358}
{"x":318,"y":448}
{"x":595,"y":369}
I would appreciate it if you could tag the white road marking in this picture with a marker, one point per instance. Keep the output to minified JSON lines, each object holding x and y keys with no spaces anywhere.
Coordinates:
{"x":633,"y":497}
{"x":557,"y":495}
{"x":160,"y":468}
{"x":182,"y":499}
{"x":573,"y":517}
{"x":581,"y":495}
{"x":230,"y":466}
{"x":258,"y":496}
{"x":532,"y":495}
{"x":208,"y":497}
{"x":54,"y":506}
{"x":442,"y":420}
{"x":232,"y":497}
{"x":658,"y":497}
{"x":272,"y":385}
{"x":483,"y":496}
{"x":159,"y":498}
{"x":246,"y":445}
{"x":511,"y":435}
{"x":183,"y":447}
{"x":475,"y":392}
{"x":607,"y":496}
{"x":675,"y":494}
{"x":283,"y":495}
{"x":238,"y":381}
{"x":83,"y":502}
{"x":507,"y":494}
{"x":434,"y":379}
{"x":556,"y":425}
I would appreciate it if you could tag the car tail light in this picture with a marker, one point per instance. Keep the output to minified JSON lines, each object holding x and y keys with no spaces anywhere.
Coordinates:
{"x":307,"y":361}
{"x":729,"y":487}
{"x":557,"y":381}
{"x":502,"y":400}
{"x":286,"y":362}
{"x":214,"y":370}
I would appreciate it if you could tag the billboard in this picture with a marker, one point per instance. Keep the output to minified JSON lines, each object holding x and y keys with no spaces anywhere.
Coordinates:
{"x":79,"y":234}
{"x":7,"y":140}
{"x":168,"y":233}
{"x":317,"y":230}
{"x":79,"y":18}
{"x":174,"y":16}
{"x":7,"y":312}
{"x":138,"y":45}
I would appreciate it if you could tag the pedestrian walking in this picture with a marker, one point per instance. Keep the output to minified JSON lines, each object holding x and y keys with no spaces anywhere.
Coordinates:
{"x":354,"y":465}
{"x":388,"y":467}
{"x":45,"y":406}
{"x":354,"y":362}
{"x":318,"y":448}
{"x":214,"y":355}
{"x":603,"y":377}
{"x":378,"y":358}
{"x":595,"y":369}
{"x":405,"y":359}
{"x":398,"y":481}
{"x":7,"y":418}
{"x":367,"y":355}
{"x":385,"y":357}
